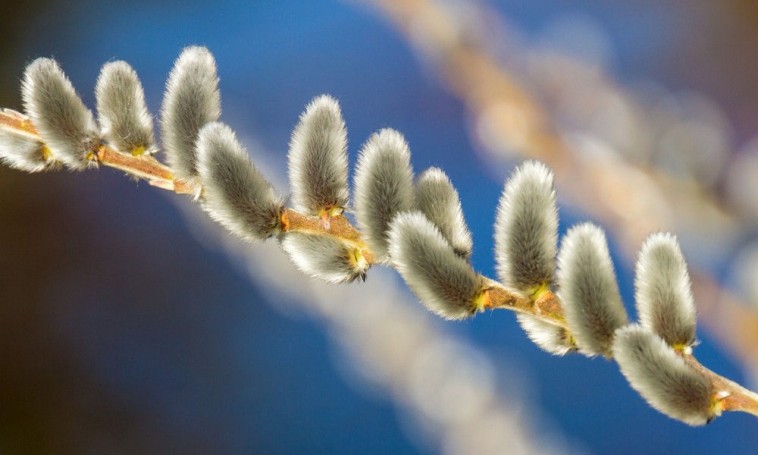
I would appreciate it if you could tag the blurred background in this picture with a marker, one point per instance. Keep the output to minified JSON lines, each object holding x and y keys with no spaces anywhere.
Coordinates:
{"x":128,"y":323}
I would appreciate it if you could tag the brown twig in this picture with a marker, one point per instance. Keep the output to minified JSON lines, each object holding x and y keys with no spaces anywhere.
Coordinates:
{"x":338,"y":226}
{"x":17,"y":121}
{"x":143,"y":167}
{"x":729,"y":395}
{"x":546,"y":305}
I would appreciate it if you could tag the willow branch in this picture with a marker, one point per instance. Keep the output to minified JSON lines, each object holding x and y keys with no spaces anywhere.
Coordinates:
{"x":496,"y":296}
{"x":142,"y":167}
{"x":630,"y":198}
{"x":544,"y":305}
{"x":729,"y":395}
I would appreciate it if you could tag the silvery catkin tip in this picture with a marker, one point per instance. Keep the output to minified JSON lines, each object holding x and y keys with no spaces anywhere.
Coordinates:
{"x":550,"y":337}
{"x":663,"y":291}
{"x":443,"y":281}
{"x":383,"y":187}
{"x":662,"y":377}
{"x":324,"y":257}
{"x":437,"y":198}
{"x":588,"y":289}
{"x":65,"y":125}
{"x":235,"y":193}
{"x":318,"y":159}
{"x":526,"y":228}
{"x":125,"y":122}
{"x":191,"y":100}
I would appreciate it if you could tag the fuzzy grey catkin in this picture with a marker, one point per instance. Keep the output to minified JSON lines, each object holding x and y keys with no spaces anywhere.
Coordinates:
{"x":124,"y":120}
{"x":437,"y":198}
{"x":588,"y":289}
{"x":526,"y":228}
{"x":550,"y":337}
{"x":663,"y":379}
{"x":318,"y":159}
{"x":235,"y":193}
{"x":443,"y":281}
{"x":664,"y":292}
{"x":22,"y":151}
{"x":192,"y":100}
{"x":324,"y":257}
{"x":63,"y":122}
{"x":383,"y":187}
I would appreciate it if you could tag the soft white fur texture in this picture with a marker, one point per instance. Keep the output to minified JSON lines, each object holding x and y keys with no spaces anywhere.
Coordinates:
{"x":550,"y":337}
{"x":437,"y":198}
{"x":192,"y":100}
{"x":63,"y":122}
{"x":22,"y":151}
{"x":383,"y":187}
{"x":526,"y":228}
{"x":318,"y":158}
{"x":322,"y":257}
{"x":235,"y":193}
{"x":663,"y":379}
{"x":443,"y":281}
{"x":664,"y":292}
{"x":588,"y":289}
{"x":124,"y":120}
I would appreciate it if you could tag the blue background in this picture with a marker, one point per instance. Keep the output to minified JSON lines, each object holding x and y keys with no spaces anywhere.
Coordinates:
{"x":120,"y":332}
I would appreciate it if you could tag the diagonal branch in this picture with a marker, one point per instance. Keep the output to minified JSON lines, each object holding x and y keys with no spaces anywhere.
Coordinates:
{"x":159,"y":175}
{"x":631,"y":199}
{"x":544,"y":305}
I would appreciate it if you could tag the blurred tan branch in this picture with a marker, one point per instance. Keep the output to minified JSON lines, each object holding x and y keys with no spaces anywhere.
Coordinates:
{"x":631,"y":199}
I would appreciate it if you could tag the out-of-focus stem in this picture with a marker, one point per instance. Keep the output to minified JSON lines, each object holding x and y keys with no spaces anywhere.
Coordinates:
{"x":732,"y":322}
